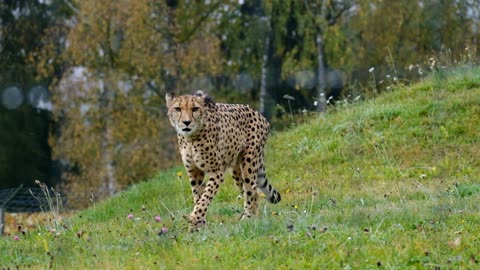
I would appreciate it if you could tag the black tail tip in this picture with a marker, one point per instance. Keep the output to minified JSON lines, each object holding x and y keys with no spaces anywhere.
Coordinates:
{"x":275,"y":198}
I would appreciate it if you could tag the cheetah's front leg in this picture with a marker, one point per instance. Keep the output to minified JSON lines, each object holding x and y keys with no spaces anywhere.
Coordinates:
{"x":197,"y":217}
{"x":196,"y":177}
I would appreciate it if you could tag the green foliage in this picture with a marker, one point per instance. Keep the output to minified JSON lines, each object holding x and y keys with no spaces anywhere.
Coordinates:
{"x":24,"y":152}
{"x":399,"y":37}
{"x":390,"y":182}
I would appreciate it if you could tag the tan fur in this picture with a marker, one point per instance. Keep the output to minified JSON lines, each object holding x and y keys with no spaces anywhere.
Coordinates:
{"x":213,"y":137}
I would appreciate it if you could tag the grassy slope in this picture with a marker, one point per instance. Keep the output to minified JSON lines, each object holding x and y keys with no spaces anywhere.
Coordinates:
{"x":391,"y":182}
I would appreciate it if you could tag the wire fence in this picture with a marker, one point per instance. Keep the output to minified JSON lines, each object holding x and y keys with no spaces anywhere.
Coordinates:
{"x":28,"y":201}
{"x":23,"y":200}
{"x":31,"y":200}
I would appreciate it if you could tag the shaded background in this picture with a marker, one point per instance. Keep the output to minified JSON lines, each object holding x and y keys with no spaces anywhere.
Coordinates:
{"x":82,"y":82}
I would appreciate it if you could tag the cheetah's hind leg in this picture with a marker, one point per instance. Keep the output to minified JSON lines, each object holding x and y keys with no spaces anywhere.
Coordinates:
{"x":238,"y":178}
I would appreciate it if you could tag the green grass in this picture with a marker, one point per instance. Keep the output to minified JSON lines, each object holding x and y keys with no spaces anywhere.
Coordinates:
{"x":388,"y":183}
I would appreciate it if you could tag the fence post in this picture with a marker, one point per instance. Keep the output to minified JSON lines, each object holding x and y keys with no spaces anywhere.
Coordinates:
{"x":2,"y":224}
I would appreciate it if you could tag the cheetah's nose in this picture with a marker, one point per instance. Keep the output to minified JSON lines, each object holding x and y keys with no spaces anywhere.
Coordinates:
{"x":187,"y":123}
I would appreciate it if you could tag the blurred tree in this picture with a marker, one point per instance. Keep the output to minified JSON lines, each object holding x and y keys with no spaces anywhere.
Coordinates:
{"x":308,"y":40}
{"x":325,"y":14}
{"x":394,"y":35}
{"x":112,"y":62}
{"x":266,"y":53}
{"x":118,"y":60}
{"x":272,"y":41}
{"x":244,"y":33}
{"x":24,"y":151}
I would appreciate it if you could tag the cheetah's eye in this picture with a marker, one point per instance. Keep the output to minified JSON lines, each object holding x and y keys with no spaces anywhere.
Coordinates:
{"x":178,"y":109}
{"x":194,"y":109}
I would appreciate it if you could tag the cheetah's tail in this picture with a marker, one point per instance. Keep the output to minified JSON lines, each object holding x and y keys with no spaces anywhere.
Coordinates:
{"x":272,"y":194}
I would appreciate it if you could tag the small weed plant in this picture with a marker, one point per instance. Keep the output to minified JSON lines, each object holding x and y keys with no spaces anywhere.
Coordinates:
{"x":50,"y":202}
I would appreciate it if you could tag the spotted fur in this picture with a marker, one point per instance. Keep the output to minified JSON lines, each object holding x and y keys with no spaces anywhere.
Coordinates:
{"x":213,"y":137}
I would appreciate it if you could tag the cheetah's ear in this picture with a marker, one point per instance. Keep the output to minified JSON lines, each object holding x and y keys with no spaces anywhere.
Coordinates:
{"x":168,"y":98}
{"x":200,"y":93}
{"x":201,"y":96}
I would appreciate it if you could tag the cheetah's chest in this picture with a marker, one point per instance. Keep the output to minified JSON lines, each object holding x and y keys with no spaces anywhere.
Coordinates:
{"x":212,"y":154}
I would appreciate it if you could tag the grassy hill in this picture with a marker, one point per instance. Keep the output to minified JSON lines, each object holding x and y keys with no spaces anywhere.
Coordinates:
{"x":387,"y":183}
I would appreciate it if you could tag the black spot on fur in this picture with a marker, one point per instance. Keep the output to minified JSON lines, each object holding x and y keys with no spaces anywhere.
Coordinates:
{"x":276,"y":198}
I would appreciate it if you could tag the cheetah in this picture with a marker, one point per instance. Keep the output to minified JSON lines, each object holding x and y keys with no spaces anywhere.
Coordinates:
{"x":213,"y":137}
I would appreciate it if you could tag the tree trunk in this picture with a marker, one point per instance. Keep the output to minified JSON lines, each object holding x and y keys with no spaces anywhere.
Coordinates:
{"x":109,"y":184}
{"x":263,"y":81}
{"x":321,"y":75}
{"x":266,"y":50}
{"x":171,"y":77}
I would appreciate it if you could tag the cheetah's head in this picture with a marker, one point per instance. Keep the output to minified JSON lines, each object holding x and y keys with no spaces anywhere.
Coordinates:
{"x":187,"y":113}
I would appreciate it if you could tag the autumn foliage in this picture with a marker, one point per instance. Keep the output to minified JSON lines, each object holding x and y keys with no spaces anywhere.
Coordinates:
{"x":110,"y":63}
